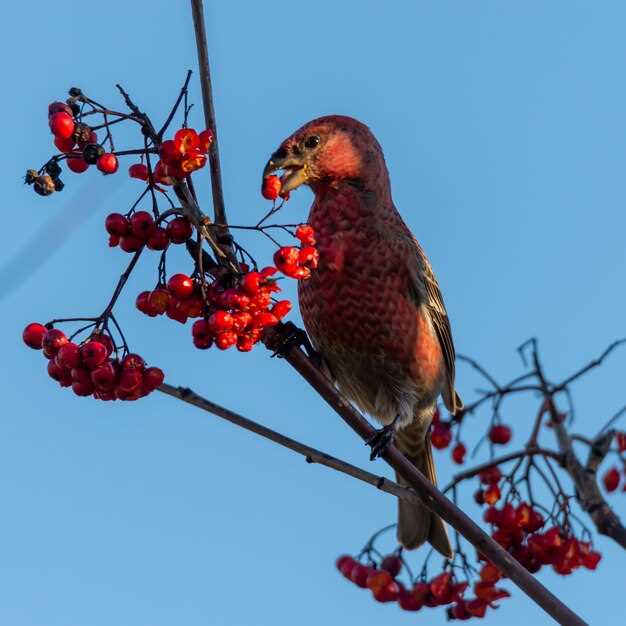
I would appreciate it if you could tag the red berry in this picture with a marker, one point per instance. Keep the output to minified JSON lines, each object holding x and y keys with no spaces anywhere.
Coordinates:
{"x":108,"y":163}
{"x":83,"y":389}
{"x":201,"y":329}
{"x":62,"y":125}
{"x":392,"y":563}
{"x":263,"y":319}
{"x":388,"y":593}
{"x":159,"y":239}
{"x":203,"y":343}
{"x":77,"y":164}
{"x":143,"y":304}
{"x":359,"y":574}
{"x":441,"y":435}
{"x":611,"y":479}
{"x":129,"y":380}
{"x":116,"y":224}
{"x":492,"y":494}
{"x":133,"y":361}
{"x":130,"y":243}
{"x":221,"y":321}
{"x":179,"y":230}
{"x":153,"y":377}
{"x":138,"y":170}
{"x":344,"y":564}
{"x":225,"y":340}
{"x":93,"y":353}
{"x":241,"y":321}
{"x":103,"y":376}
{"x":491,"y":475}
{"x":33,"y":335}
{"x":181,"y":286}
{"x":479,"y":497}
{"x":58,"y":107}
{"x":378,"y":579}
{"x":142,"y":225}
{"x":620,"y":438}
{"x":169,"y":153}
{"x":159,"y":300}
{"x":306,"y":234}
{"x":500,"y":434}
{"x":281,"y":309}
{"x":53,"y":340}
{"x":251,"y":282}
{"x":205,"y":139}
{"x":186,"y":139}
{"x":286,"y":256}
{"x":68,"y":355}
{"x":309,"y":256}
{"x":271,"y":187}
{"x":458,"y":453}
{"x":64,"y":145}
{"x":245,"y":343}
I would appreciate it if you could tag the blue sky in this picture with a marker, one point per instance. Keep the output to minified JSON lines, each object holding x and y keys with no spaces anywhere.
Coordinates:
{"x":504,"y":131}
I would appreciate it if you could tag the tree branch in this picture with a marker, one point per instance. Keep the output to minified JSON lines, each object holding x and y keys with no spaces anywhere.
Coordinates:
{"x":312,"y":455}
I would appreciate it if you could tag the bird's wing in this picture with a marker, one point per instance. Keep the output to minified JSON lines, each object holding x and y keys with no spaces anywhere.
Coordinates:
{"x":425,"y":290}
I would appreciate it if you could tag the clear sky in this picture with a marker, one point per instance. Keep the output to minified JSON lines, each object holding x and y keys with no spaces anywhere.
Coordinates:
{"x":504,"y":130}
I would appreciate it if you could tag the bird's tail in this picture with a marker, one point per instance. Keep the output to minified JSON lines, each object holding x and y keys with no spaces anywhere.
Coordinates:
{"x":416,"y":524}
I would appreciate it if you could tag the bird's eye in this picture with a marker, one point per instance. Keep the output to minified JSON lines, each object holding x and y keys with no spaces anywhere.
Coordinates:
{"x":312,"y":141}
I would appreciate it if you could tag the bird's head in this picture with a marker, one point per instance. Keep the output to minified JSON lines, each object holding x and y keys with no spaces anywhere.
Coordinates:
{"x":327,"y":151}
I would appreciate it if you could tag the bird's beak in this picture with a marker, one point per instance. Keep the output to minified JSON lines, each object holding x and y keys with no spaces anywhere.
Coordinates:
{"x":295,"y":171}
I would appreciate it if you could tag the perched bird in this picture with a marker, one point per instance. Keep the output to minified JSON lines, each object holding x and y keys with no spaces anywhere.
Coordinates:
{"x":373,"y":308}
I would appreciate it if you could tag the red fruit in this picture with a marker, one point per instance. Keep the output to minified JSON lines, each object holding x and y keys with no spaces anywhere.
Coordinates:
{"x":64,"y":145}
{"x":500,"y":434}
{"x":491,"y":475}
{"x":251,"y":282}
{"x":116,"y":224}
{"x":458,"y":453}
{"x":170,"y":154}
{"x":620,"y":438}
{"x":58,"y":107}
{"x":114,"y":241}
{"x":535,"y":521}
{"x":203,"y":343}
{"x":186,"y":139}
{"x":392,"y":563}
{"x":388,"y":593}
{"x":409,"y":601}
{"x":181,"y":286}
{"x":159,"y":300}
{"x":344,"y":564}
{"x":53,"y":340}
{"x":479,"y":497}
{"x":281,"y":309}
{"x":271,"y":187}
{"x":68,"y":355}
{"x":378,"y":578}
{"x":93,"y":138}
{"x":33,"y":335}
{"x":108,"y":163}
{"x":591,"y":560}
{"x":159,"y":239}
{"x":205,"y":139}
{"x":143,"y":304}
{"x":193,"y":160}
{"x":441,"y":435}
{"x":201,"y":329}
{"x":93,"y":353}
{"x":130,"y":243}
{"x":138,"y":170}
{"x":476,"y":607}
{"x":225,"y":340}
{"x":492,"y":494}
{"x":61,"y":125}
{"x":221,"y":321}
{"x":77,"y":164}
{"x":83,"y":389}
{"x":359,"y":574}
{"x":133,"y":361}
{"x":179,"y":230}
{"x":266,"y":272}
{"x":611,"y":479}
{"x":508,"y":517}
{"x":459,"y":611}
{"x":103,"y":376}
{"x":309,"y":256}
{"x":241,"y":321}
{"x":129,"y":380}
{"x":263,"y":319}
{"x":522,"y":515}
{"x":491,"y":515}
{"x":152,"y":378}
{"x":142,"y":225}
{"x":306,"y":234}
{"x":286,"y":256}
{"x":55,"y":371}
{"x":440,"y":584}
{"x":245,"y":343}
{"x":490,"y":573}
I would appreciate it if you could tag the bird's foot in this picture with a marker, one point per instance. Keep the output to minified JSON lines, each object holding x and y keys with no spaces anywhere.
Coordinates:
{"x":290,"y":336}
{"x":381,"y":439}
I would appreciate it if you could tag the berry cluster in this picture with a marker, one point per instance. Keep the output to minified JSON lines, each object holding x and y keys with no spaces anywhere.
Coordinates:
{"x":442,"y":590}
{"x":92,"y":368}
{"x":181,"y":156}
{"x":271,"y":188}
{"x":297,"y":262}
{"x":140,"y":229}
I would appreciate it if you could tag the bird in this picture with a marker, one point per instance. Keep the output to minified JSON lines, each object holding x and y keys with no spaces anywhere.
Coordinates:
{"x":373,"y":309}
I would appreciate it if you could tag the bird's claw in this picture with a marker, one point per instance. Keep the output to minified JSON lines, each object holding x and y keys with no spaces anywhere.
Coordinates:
{"x":380,"y":440}
{"x":293,"y":337}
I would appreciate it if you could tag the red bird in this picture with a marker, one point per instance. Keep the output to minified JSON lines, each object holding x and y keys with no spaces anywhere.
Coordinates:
{"x":373,"y":308}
